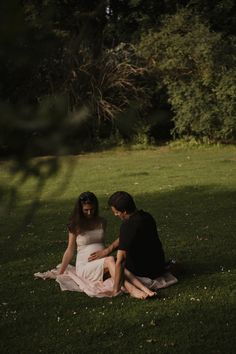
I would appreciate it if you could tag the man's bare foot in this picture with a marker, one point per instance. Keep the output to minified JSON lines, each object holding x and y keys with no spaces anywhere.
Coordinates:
{"x":137,"y":293}
{"x":149,"y":292}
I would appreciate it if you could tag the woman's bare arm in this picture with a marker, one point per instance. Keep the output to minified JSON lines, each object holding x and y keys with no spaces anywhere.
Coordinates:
{"x":68,"y":253}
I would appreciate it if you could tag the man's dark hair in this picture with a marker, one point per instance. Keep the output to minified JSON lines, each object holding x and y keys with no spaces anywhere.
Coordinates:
{"x":122,"y":201}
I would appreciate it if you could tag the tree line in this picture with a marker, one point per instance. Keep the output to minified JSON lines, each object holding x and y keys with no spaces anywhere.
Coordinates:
{"x":77,"y":74}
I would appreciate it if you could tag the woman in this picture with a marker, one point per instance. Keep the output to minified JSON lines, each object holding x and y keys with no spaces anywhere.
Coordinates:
{"x":86,"y":233}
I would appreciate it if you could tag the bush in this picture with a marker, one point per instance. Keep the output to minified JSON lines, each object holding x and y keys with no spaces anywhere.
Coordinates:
{"x":197,"y":68}
{"x":106,"y":87}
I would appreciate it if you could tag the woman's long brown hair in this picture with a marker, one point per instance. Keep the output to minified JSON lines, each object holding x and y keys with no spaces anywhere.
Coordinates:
{"x":77,"y":221}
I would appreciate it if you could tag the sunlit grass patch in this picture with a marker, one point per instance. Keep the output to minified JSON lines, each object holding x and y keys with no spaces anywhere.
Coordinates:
{"x":190,"y":192}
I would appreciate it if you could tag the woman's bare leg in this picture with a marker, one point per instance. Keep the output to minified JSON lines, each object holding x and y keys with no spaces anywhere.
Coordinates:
{"x":109,"y":265}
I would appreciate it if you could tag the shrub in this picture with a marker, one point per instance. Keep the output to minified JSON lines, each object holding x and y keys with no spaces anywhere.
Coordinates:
{"x":197,"y":68}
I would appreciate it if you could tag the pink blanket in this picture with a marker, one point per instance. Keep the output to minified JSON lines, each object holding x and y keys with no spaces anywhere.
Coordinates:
{"x":72,"y":282}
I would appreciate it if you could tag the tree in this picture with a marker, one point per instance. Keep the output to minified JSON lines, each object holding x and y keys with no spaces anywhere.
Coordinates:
{"x":193,"y":62}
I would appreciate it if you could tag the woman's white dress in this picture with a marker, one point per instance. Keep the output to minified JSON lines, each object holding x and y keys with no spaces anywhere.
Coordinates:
{"x":89,"y":242}
{"x":85,"y":276}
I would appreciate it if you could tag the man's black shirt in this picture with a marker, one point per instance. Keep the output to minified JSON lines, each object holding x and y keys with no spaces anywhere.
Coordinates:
{"x":139,"y":238}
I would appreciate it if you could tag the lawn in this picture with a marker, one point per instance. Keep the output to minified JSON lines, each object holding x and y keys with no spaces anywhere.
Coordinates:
{"x":190,"y":192}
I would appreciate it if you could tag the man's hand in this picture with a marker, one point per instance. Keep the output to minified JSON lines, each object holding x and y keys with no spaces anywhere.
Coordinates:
{"x":105,"y":252}
{"x":98,"y":254}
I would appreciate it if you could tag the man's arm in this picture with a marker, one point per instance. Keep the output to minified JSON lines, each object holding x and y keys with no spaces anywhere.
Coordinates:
{"x":105,"y":252}
{"x":119,"y":271}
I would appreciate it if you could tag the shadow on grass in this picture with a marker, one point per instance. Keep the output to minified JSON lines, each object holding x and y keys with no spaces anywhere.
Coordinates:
{"x":196,"y":226}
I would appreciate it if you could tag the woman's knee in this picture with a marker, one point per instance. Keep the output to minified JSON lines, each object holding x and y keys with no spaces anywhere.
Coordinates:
{"x":109,"y":260}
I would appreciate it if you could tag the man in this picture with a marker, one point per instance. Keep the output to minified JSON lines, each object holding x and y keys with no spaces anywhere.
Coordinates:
{"x":139,"y":247}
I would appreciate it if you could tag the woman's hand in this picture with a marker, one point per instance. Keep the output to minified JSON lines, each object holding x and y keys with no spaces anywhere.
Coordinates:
{"x":98,"y":254}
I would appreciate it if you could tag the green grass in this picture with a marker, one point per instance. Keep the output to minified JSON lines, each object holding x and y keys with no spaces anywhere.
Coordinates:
{"x":191,"y":193}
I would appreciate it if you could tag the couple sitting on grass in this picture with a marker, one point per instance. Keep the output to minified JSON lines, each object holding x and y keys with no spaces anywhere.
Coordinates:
{"x":139,"y":269}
